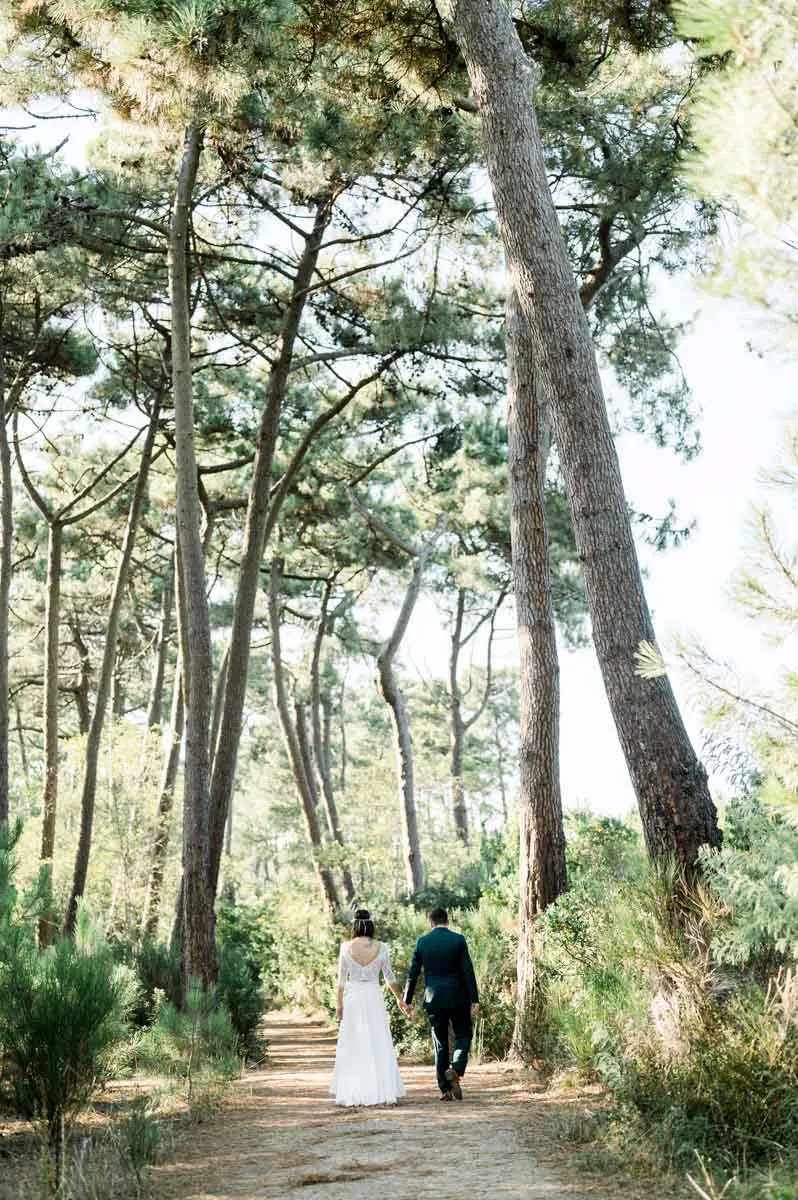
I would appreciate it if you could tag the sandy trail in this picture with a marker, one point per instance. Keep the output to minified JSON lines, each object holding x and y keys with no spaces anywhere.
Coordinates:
{"x":280,"y":1135}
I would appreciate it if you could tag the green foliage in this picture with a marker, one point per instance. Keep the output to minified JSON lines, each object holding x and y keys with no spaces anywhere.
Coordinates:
{"x":247,"y":966}
{"x":192,"y":1043}
{"x":746,"y":129}
{"x":156,"y":967}
{"x":734,"y":1093}
{"x":138,"y":1137}
{"x":62,"y":1010}
{"x":635,"y":995}
{"x":755,"y":875}
{"x":61,"y":1025}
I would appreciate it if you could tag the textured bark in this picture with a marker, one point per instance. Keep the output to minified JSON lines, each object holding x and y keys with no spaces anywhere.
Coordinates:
{"x":228,"y":831}
{"x":163,"y":816}
{"x":342,"y":738}
{"x":306,"y":755}
{"x":52,"y":617}
{"x":198,"y":953}
{"x":255,"y":533}
{"x":457,"y":725}
{"x":106,"y":678}
{"x":320,"y":717}
{"x":293,"y":747}
{"x":81,"y":689}
{"x":542,"y":875}
{"x":161,"y":650}
{"x":6,"y":536}
{"x":389,"y":689}
{"x":671,"y":786}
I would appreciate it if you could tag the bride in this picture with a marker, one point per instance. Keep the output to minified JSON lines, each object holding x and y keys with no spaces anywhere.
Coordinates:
{"x":366,"y":1070}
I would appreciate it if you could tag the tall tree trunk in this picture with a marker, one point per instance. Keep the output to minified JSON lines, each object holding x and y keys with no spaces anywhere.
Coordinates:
{"x":23,"y":753}
{"x":52,"y":619}
{"x":671,"y":785}
{"x":155,"y":705}
{"x":198,"y":957}
{"x":255,"y":533}
{"x":81,"y":690}
{"x":228,"y":831}
{"x":292,"y":743}
{"x":6,"y":537}
{"x":457,"y":725}
{"x":306,"y":755}
{"x":342,"y":738}
{"x":541,"y":873}
{"x":321,"y":743}
{"x":389,"y":689}
{"x":163,"y":816}
{"x":106,"y":678}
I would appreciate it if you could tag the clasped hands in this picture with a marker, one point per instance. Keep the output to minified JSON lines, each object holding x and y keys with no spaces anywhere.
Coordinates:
{"x":408,"y":1008}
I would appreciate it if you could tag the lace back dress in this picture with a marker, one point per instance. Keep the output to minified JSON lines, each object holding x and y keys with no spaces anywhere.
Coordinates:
{"x":366,"y":1070}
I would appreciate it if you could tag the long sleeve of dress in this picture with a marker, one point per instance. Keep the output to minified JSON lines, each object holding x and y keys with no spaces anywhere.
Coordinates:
{"x":387,"y":969}
{"x":341,"y":969}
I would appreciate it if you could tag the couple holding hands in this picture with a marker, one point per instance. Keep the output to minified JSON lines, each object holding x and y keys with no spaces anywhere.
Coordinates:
{"x":366,"y":1068}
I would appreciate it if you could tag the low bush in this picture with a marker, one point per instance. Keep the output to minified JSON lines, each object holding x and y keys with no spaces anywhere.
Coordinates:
{"x":62,"y":1014}
{"x":638,"y":994}
{"x":61,"y":1028}
{"x":732,"y":1094}
{"x":191,"y":1043}
{"x":248,"y":966}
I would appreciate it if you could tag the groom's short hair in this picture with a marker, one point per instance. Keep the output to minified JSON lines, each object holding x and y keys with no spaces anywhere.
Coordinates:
{"x":438,"y":916}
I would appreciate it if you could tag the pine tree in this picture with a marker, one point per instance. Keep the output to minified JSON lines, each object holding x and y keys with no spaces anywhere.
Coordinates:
{"x":744,"y":119}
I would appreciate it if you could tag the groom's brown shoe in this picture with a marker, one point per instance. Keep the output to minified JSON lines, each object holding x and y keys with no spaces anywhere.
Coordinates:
{"x":454,"y":1082}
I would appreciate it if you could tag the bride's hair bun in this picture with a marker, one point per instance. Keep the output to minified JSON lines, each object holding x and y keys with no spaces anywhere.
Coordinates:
{"x":362,"y":926}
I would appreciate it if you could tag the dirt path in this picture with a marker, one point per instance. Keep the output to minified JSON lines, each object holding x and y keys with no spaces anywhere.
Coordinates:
{"x":280,"y":1135}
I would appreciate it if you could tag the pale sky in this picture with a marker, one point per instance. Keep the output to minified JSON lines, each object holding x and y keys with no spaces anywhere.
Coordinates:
{"x":746,"y":402}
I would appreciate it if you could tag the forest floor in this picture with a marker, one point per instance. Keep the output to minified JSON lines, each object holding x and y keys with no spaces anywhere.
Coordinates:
{"x":278,"y":1134}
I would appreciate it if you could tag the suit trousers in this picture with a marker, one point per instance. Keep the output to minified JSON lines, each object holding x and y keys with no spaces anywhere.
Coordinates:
{"x":460,"y":1020}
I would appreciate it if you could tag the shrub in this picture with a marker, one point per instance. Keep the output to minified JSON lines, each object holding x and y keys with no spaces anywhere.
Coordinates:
{"x":733,"y":1094}
{"x":247,"y":967}
{"x":755,"y":875}
{"x":244,"y":998}
{"x":138,"y":1137}
{"x":156,"y":966}
{"x":61,"y":1022}
{"x":197,"y":1040}
{"x":62,"y":1015}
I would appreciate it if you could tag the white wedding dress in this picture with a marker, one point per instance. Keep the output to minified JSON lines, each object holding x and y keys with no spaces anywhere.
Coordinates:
{"x":366,"y":1070}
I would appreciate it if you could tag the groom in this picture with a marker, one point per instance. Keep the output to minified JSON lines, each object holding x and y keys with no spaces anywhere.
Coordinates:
{"x":450,"y":997}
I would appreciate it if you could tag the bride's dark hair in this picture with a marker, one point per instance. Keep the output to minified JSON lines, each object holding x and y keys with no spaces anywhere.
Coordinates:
{"x":362,"y":925}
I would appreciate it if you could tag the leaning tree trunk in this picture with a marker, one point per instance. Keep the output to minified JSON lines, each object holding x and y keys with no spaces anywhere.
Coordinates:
{"x":671,"y":786}
{"x":52,"y":619}
{"x":321,"y":744}
{"x":292,"y":743}
{"x":198,"y":952}
{"x":163,"y":816}
{"x":389,"y":689}
{"x":255,"y":529}
{"x":541,"y":870}
{"x":106,"y":678}
{"x":6,"y":536}
{"x":457,"y":728}
{"x":155,"y":705}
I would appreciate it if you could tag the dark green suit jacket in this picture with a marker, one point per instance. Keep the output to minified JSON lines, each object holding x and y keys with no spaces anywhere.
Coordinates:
{"x":449,"y":980}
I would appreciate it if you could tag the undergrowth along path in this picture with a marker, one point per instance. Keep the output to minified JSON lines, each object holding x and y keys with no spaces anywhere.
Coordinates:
{"x":280,"y":1135}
